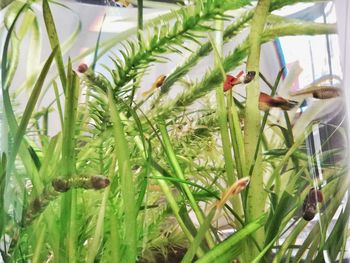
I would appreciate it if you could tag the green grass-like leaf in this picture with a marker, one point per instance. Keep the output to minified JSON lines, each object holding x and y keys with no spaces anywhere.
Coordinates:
{"x":230,"y":243}
{"x":54,"y":41}
{"x":127,"y":184}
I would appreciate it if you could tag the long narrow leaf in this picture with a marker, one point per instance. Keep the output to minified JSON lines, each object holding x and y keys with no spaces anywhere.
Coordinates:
{"x":30,"y":106}
{"x":233,"y":241}
{"x":127,"y":184}
{"x":54,"y":41}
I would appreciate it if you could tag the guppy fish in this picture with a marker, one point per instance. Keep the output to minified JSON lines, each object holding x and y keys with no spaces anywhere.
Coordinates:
{"x":319,"y":92}
{"x":158,"y":83}
{"x":266,"y":102}
{"x":230,"y":80}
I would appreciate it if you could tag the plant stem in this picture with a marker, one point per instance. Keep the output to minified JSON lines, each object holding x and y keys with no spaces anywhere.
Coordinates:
{"x":252,"y":113}
{"x":222,"y":109}
{"x":236,"y":137}
{"x":68,"y":237}
{"x":223,"y":113}
{"x":256,"y":194}
{"x":139,"y":39}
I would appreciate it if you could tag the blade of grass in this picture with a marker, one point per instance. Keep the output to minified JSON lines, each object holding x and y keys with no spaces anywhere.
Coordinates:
{"x":266,"y":114}
{"x":221,"y":105}
{"x":50,"y":160}
{"x":236,"y":137}
{"x":139,"y":38}
{"x":230,"y":243}
{"x":2,"y":191}
{"x":182,"y":218}
{"x":39,"y":245}
{"x":223,"y":112}
{"x":35,"y":47}
{"x":5,"y":52}
{"x":127,"y":184}
{"x":93,"y":65}
{"x":344,"y":245}
{"x":178,"y":171}
{"x":115,"y":242}
{"x":70,"y":41}
{"x":29,"y":110}
{"x":287,"y":156}
{"x":58,"y":102}
{"x":199,"y":237}
{"x":54,"y":41}
{"x":68,"y":236}
{"x":175,"y":209}
{"x":98,"y":235}
{"x":26,"y":25}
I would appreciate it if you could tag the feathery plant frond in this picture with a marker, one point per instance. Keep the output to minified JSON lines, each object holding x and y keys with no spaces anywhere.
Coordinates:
{"x":138,"y":56}
{"x":231,"y":31}
{"x":234,"y":59}
{"x":107,"y":140}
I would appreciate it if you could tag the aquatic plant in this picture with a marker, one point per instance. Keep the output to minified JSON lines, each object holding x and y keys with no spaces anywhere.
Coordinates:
{"x":130,"y":177}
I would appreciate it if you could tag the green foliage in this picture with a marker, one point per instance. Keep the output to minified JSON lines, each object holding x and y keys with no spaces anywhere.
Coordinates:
{"x":127,"y":179}
{"x":191,"y":24}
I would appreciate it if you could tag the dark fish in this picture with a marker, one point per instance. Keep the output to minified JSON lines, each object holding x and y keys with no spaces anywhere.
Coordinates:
{"x":310,"y":203}
{"x":327,"y":93}
{"x":320,"y":92}
{"x":249,"y":77}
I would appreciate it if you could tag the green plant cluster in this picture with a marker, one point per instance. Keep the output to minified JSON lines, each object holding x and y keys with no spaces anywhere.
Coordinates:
{"x":154,"y":179}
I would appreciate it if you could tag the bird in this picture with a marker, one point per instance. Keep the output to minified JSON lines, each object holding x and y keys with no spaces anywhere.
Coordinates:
{"x":266,"y":102}
{"x":241,"y":77}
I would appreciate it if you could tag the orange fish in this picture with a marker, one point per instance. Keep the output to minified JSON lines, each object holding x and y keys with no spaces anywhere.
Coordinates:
{"x":266,"y":102}
{"x":230,"y":80}
{"x":234,"y":189}
{"x":157,"y":84}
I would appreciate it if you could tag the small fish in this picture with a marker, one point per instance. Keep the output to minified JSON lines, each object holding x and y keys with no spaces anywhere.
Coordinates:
{"x":157,"y":84}
{"x":266,"y":102}
{"x":234,"y":189}
{"x":231,"y":81}
{"x":327,"y":93}
{"x":249,"y":77}
{"x":120,"y":3}
{"x":310,"y":203}
{"x":320,"y":92}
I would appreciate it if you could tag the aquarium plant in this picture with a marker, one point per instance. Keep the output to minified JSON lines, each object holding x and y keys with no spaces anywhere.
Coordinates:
{"x":146,"y":175}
